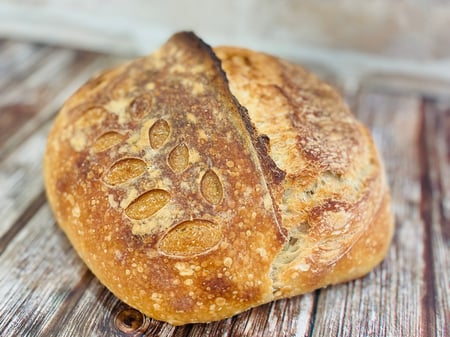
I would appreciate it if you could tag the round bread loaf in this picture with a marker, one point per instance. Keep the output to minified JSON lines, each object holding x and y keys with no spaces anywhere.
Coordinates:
{"x":198,"y":183}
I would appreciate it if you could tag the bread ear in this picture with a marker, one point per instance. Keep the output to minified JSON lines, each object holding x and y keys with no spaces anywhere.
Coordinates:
{"x":334,"y":192}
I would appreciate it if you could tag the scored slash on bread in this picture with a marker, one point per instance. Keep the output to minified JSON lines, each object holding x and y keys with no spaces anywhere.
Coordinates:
{"x":198,"y":183}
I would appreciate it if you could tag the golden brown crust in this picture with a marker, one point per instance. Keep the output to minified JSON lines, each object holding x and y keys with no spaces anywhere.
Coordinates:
{"x":334,"y":182}
{"x":191,"y":208}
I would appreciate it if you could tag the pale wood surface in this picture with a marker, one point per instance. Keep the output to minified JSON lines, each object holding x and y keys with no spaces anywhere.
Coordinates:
{"x":46,"y":290}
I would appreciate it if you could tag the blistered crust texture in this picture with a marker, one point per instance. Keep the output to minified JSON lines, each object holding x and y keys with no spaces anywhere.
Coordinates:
{"x":334,"y":188}
{"x":198,"y":184}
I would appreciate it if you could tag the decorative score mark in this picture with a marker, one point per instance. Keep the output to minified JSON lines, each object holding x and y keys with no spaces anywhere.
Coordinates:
{"x":147,"y":204}
{"x":179,"y":158}
{"x":191,"y":238}
{"x":124,"y":170}
{"x":158,"y":133}
{"x":186,"y":238}
{"x":107,"y":140}
{"x":211,"y":187}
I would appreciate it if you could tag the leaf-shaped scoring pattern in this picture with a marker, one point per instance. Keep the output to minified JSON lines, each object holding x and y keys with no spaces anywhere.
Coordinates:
{"x":179,"y":158}
{"x":124,"y":170}
{"x":147,"y":204}
{"x":107,"y":140}
{"x":158,"y":133}
{"x":211,"y":187}
{"x":141,"y":106}
{"x":191,"y":238}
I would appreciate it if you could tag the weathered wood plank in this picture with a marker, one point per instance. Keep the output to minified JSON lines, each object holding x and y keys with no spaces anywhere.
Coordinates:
{"x":21,"y":221}
{"x":38,"y":269}
{"x":435,"y":209}
{"x":36,"y":98}
{"x":21,"y":178}
{"x":401,"y":84}
{"x":17,"y":60}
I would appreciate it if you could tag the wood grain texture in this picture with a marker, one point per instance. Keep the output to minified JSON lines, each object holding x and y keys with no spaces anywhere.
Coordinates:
{"x":46,"y":290}
{"x":435,"y":210}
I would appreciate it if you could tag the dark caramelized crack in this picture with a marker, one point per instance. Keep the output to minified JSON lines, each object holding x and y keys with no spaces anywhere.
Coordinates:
{"x":240,"y":119}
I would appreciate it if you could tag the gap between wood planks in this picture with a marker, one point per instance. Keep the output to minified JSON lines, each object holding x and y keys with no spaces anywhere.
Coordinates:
{"x":22,"y":221}
{"x":428,"y":300}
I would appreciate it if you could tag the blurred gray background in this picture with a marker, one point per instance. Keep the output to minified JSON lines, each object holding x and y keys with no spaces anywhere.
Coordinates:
{"x":356,"y":39}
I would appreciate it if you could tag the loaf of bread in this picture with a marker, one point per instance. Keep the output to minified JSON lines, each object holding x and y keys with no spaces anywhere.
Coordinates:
{"x":197,"y":183}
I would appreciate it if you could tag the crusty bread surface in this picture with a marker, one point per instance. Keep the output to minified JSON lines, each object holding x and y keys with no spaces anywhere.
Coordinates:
{"x":197,"y":183}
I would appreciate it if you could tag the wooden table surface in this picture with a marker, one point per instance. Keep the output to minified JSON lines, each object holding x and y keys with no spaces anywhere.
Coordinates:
{"x":46,"y":290}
